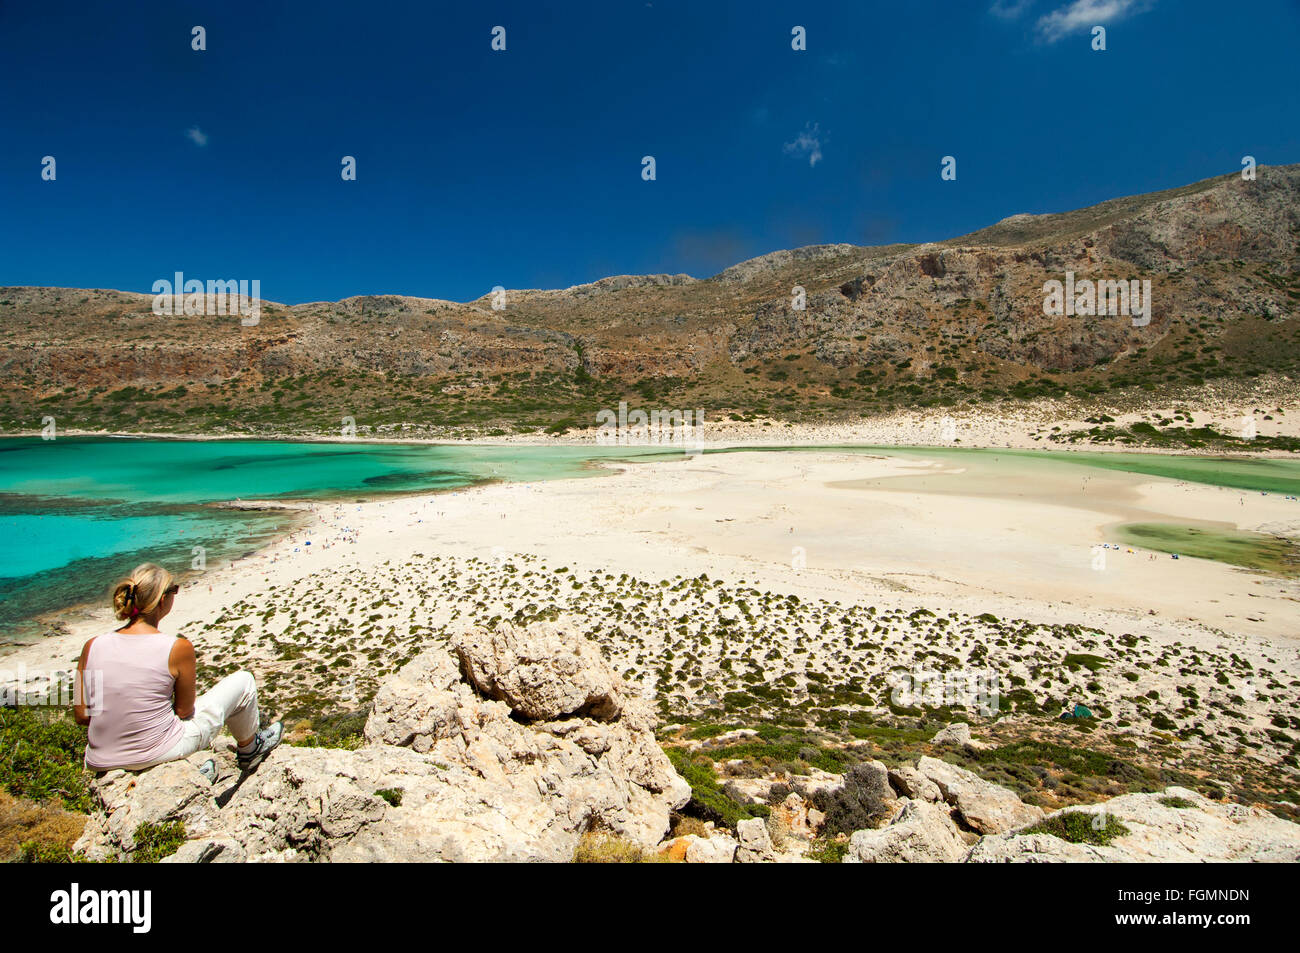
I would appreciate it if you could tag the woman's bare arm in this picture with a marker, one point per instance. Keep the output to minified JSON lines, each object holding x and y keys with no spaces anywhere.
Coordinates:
{"x":79,"y":710}
{"x":181,"y":662}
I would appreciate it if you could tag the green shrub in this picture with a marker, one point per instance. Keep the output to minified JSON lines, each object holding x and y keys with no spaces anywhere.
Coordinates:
{"x":828,"y":850}
{"x":1080,"y":827}
{"x":709,"y":801}
{"x":41,"y":756}
{"x":36,"y":852}
{"x":1092,"y":663}
{"x":153,"y":842}
{"x":336,"y":730}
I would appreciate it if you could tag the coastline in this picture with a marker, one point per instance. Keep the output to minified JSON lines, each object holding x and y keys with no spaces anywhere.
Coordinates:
{"x":660,"y":519}
{"x":1027,"y":427}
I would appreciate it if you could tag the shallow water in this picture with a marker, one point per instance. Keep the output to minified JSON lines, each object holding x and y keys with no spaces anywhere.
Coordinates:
{"x":1224,"y":544}
{"x":77,"y":513}
{"x":1081,"y":478}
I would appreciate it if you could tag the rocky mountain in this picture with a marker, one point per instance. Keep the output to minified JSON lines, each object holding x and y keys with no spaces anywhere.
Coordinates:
{"x":955,"y":323}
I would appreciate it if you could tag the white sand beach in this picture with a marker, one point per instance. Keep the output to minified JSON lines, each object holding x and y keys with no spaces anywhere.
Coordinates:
{"x":836,"y":526}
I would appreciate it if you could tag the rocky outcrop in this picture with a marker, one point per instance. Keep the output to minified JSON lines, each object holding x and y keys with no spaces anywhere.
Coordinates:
{"x":717,"y":849}
{"x":540,"y":679}
{"x":985,"y":807}
{"x":1175,"y":826}
{"x":511,"y":744}
{"x":958,"y":735}
{"x":911,"y":783}
{"x":505,"y":745}
{"x":799,"y":816}
{"x":755,"y":843}
{"x":922,"y":833}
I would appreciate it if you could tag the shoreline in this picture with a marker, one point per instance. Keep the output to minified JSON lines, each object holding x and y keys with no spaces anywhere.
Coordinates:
{"x":829,"y":443}
{"x":1027,"y":426}
{"x":580,"y":496}
{"x":682,"y":573}
{"x":739,"y":587}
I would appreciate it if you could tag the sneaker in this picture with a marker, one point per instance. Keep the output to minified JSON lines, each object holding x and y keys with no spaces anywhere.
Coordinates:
{"x":209,"y":770}
{"x":263,"y":742}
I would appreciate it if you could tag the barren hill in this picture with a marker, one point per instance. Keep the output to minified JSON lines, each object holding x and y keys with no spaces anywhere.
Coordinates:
{"x":956,"y":323}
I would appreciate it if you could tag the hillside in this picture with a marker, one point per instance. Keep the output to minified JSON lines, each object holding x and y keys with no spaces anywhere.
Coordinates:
{"x":521,"y":743}
{"x":954,"y":324}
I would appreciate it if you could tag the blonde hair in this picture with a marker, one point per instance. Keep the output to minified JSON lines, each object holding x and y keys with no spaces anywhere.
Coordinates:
{"x":141,"y":592}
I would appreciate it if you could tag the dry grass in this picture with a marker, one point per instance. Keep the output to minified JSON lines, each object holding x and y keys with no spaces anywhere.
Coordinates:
{"x":602,"y":848}
{"x":46,"y":824}
{"x":683,"y":825}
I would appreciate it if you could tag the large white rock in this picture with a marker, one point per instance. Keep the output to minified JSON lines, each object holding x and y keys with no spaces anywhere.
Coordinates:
{"x":718,"y":849}
{"x":755,"y":842}
{"x":911,"y":783}
{"x":955,"y":734}
{"x":540,"y":673}
{"x":1207,"y":831}
{"x":986,"y":807}
{"x":958,"y":735}
{"x":922,"y":834}
{"x":493,"y":764}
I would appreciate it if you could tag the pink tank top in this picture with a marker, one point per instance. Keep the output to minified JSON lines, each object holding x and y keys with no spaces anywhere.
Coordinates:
{"x":129,"y":699}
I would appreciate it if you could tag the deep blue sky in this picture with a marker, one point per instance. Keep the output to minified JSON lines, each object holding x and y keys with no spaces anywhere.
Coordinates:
{"x":523,"y":168}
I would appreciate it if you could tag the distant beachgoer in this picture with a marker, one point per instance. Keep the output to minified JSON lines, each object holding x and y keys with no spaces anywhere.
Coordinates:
{"x":139,"y":701}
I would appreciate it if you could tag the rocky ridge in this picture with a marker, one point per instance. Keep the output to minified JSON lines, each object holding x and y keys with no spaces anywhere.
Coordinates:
{"x":513,"y":744}
{"x":504,"y":746}
{"x":957,"y":322}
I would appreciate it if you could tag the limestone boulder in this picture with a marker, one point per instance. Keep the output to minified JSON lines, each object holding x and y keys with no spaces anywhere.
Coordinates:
{"x":720,"y":848}
{"x":1174,"y":826}
{"x":540,"y":672}
{"x":958,"y":735}
{"x":923,"y":833}
{"x":485,"y":749}
{"x":755,"y":843}
{"x":987,"y":808}
{"x":911,"y":783}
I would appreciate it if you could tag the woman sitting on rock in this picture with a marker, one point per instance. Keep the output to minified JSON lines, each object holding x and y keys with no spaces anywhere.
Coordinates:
{"x":135,"y":690}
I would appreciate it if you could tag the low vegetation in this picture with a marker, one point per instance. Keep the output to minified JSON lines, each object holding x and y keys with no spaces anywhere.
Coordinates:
{"x":153,"y":842}
{"x":1080,"y":827}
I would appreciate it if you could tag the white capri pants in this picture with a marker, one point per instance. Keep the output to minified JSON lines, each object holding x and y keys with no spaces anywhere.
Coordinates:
{"x":231,"y":702}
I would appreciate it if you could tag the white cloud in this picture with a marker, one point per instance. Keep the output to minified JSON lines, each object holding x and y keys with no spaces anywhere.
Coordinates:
{"x":197,"y":136}
{"x":809,"y":143}
{"x":1010,"y":9}
{"x":1084,"y":14}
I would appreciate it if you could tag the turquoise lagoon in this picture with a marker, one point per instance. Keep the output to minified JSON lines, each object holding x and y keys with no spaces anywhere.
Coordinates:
{"x":76,"y":513}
